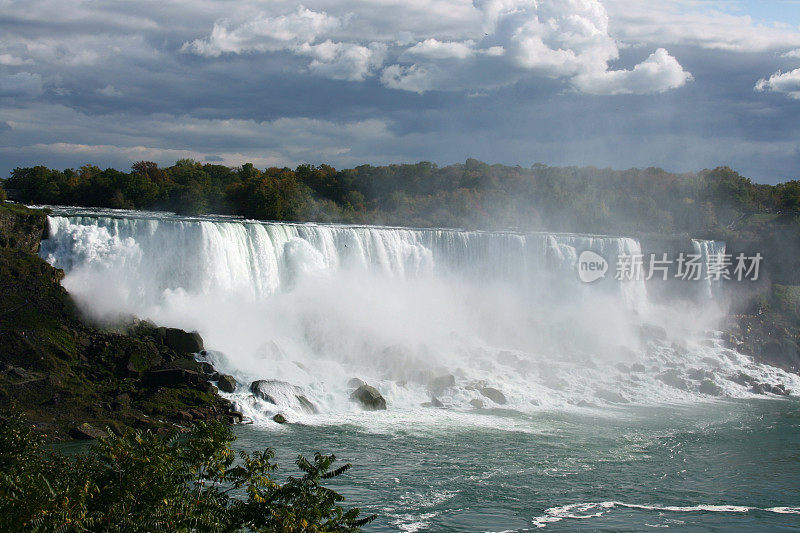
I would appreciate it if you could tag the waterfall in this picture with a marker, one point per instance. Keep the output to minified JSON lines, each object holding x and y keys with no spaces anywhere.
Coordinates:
{"x":315,"y":305}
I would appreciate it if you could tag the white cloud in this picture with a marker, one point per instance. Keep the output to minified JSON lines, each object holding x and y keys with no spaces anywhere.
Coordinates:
{"x":343,"y":61}
{"x":415,"y":78}
{"x":787,"y":83}
{"x":557,"y":39}
{"x":697,"y":24}
{"x":435,"y":49}
{"x":792,"y":54}
{"x":658,"y":73}
{"x":265,"y":34}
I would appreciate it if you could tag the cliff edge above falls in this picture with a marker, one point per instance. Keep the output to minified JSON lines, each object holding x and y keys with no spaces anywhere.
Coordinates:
{"x":74,"y":380}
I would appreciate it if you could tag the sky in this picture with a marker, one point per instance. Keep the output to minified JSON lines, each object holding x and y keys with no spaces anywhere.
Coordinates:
{"x":677,"y":84}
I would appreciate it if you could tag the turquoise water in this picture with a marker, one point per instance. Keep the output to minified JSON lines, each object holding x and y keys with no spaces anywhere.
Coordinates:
{"x":721,"y":466}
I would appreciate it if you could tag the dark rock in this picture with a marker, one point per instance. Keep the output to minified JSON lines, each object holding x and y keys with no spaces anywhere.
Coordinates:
{"x":743,"y":379}
{"x":236,"y":416}
{"x":699,"y":374}
{"x":710,"y":388}
{"x":206,"y":368}
{"x":638,"y":367}
{"x":355,"y":383}
{"x":439,"y":384}
{"x":369,"y":397}
{"x":671,"y":378}
{"x":226,"y":383}
{"x":206,"y":386}
{"x":493,"y":394}
{"x":182,"y":341}
{"x":172,"y":377}
{"x":760,"y":388}
{"x":780,"y":390}
{"x":610,"y":396}
{"x":87,"y":432}
{"x":433,"y":403}
{"x":279,"y":418}
{"x":476,"y":403}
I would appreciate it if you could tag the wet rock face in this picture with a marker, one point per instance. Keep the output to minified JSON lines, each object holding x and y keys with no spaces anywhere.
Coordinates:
{"x":369,"y":397}
{"x":181,"y":341}
{"x":493,"y":394}
{"x":226,"y":383}
{"x":282,"y":394}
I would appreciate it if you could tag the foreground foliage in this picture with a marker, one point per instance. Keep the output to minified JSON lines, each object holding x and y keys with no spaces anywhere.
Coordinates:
{"x":147,"y":482}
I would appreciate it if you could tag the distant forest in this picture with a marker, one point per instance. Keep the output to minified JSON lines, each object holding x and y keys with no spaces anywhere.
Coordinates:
{"x":469,"y":195}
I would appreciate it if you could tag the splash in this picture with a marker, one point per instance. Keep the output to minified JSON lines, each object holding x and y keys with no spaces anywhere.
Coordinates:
{"x":429,"y":316}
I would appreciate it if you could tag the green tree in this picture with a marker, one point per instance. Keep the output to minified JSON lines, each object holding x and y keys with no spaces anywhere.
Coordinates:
{"x":147,"y":482}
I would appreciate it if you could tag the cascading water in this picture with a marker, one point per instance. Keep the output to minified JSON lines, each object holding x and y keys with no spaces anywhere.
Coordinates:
{"x":317,"y":305}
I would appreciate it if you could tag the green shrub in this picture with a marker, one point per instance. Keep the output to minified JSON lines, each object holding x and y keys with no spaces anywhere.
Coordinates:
{"x":143,"y":481}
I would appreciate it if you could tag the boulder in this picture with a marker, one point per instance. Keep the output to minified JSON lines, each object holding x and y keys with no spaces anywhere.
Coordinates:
{"x":710,"y":388}
{"x":282,"y":394}
{"x":638,"y":367}
{"x":172,"y":376}
{"x":279,"y":418}
{"x":699,"y":374}
{"x":610,"y":396}
{"x":181,"y":341}
{"x":355,"y":383}
{"x":671,"y":378}
{"x":438,"y":384}
{"x":226,"y":383}
{"x":87,"y":432}
{"x":433,"y":403}
{"x":493,"y":394}
{"x":369,"y":398}
{"x":780,"y":390}
{"x":476,"y":403}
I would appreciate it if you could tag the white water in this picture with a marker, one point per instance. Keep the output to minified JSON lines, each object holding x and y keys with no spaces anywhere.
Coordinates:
{"x":316,"y":305}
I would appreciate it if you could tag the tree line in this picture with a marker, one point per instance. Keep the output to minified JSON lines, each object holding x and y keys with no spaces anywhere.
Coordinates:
{"x":468,"y":195}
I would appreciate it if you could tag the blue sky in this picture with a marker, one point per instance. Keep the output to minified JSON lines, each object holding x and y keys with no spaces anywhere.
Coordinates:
{"x":680,"y":84}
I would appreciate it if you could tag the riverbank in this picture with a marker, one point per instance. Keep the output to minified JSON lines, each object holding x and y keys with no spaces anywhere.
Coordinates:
{"x":72,"y":379}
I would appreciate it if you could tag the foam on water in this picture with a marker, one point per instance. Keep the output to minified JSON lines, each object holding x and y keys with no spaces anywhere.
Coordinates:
{"x":316,"y":305}
{"x":584,"y":511}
